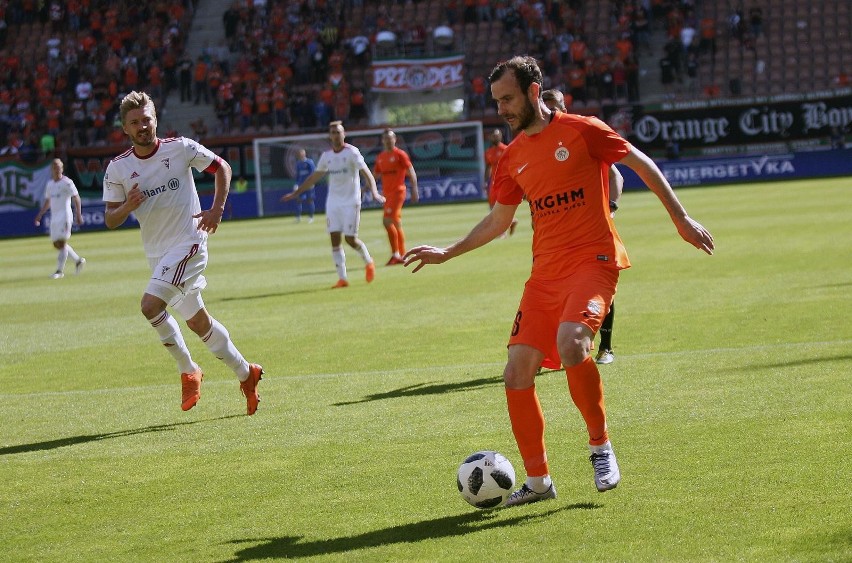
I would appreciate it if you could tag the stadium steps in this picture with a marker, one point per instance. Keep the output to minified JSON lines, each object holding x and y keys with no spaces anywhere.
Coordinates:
{"x":207,"y":32}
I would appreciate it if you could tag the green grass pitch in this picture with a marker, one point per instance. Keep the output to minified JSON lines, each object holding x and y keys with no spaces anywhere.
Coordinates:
{"x":729,"y":401}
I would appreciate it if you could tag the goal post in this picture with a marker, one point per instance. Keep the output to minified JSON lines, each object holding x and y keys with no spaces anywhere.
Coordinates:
{"x":448,"y":159}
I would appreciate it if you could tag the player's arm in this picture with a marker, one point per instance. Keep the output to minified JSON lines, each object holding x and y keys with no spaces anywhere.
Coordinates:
{"x":78,"y":209}
{"x":210,"y":219}
{"x":616,"y":186}
{"x":117,"y":212}
{"x":415,"y":193}
{"x":371,"y":183}
{"x":492,"y":226}
{"x":309,"y":183}
{"x":690,"y":230}
{"x":42,"y":211}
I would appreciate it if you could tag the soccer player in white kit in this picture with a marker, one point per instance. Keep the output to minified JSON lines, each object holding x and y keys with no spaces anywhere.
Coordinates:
{"x":154,"y":181}
{"x":59,"y":193}
{"x":343,"y":163}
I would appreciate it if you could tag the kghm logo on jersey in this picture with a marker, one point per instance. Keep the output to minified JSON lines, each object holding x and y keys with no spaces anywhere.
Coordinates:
{"x":561,"y":153}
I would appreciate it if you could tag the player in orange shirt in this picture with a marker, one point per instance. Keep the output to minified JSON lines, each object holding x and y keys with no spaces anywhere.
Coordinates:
{"x":392,"y":166}
{"x":560,"y":163}
{"x":554,"y":100}
{"x":492,"y":157}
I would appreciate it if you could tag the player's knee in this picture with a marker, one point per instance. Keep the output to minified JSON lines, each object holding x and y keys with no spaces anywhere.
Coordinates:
{"x":573,"y":351}
{"x":151,"y":308}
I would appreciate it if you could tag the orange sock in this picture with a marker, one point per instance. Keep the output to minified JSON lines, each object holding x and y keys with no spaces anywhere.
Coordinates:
{"x":528,"y":426}
{"x":400,"y":240}
{"x":393,"y":236}
{"x":586,"y":387}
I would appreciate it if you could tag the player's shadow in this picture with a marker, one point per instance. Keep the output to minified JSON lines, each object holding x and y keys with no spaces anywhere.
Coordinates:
{"x":74,"y":440}
{"x":271,"y":295}
{"x":421,"y":389}
{"x":805,"y":361}
{"x":447,"y":526}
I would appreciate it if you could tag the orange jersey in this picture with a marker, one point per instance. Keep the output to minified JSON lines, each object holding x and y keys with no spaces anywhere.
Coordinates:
{"x":492,"y":156}
{"x":563,"y":172}
{"x":392,"y":166}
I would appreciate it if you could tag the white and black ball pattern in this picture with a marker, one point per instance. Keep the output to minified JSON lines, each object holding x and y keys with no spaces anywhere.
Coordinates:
{"x":486,"y":479}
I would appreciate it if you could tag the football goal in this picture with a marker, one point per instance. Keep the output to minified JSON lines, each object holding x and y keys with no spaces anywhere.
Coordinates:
{"x":448,"y":159}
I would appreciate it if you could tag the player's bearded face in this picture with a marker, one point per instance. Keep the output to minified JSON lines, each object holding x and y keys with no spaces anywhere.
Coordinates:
{"x":141,"y":126}
{"x":524,"y":118}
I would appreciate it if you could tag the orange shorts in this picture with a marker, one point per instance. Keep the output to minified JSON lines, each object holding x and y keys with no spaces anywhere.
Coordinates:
{"x":393,"y":206}
{"x":583,"y":296}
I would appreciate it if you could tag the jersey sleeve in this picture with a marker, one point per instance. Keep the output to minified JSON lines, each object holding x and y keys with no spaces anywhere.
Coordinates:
{"x":406,"y":160}
{"x":114,"y":190}
{"x":604,"y":143}
{"x":322,"y":165}
{"x":70,"y":187}
{"x":200,"y":157}
{"x":509,"y":192}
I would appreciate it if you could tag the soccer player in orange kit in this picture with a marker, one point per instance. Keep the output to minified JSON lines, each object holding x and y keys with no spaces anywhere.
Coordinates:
{"x":560,"y":162}
{"x":492,"y":157}
{"x":392,"y":166}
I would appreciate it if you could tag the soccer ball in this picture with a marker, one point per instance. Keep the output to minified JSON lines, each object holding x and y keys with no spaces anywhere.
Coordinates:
{"x":486,"y":479}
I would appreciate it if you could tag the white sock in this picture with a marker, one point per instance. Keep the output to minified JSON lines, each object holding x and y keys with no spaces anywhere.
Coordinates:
{"x":365,"y":254}
{"x":218,"y":341}
{"x":171,"y":337}
{"x":339,"y":258}
{"x":539,"y":484}
{"x":71,"y":254}
{"x":61,"y":258}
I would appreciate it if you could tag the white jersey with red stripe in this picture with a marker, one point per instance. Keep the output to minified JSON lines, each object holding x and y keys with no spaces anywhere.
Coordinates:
{"x":343,"y":168}
{"x":165,"y":177}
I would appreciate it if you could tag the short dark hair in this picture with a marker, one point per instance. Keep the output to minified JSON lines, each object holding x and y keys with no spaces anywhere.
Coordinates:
{"x":525,"y":68}
{"x":554,"y":95}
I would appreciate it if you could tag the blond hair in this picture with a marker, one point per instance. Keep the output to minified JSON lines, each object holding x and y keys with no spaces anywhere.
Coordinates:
{"x":136,"y":100}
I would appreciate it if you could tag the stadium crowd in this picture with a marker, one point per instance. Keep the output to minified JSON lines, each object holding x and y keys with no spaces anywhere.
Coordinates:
{"x":286,"y":64}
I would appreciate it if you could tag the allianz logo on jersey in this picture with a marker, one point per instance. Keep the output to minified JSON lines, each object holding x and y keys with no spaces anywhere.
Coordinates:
{"x":171,"y":185}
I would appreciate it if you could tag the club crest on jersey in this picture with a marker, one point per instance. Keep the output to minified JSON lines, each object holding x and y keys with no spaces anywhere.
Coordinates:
{"x":561,"y":154}
{"x":165,"y":162}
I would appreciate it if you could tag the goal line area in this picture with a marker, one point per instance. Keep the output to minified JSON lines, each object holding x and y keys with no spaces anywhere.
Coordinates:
{"x":448,"y":159}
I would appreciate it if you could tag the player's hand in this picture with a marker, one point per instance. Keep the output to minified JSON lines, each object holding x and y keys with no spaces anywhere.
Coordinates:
{"x":288,"y":197}
{"x":37,"y":222}
{"x":695,"y":234}
{"x":209,"y":220}
{"x":424,"y":255}
{"x":379,"y":197}
{"x":135,"y":197}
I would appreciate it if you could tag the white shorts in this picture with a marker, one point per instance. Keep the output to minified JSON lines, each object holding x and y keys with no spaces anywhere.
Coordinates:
{"x":60,"y":230}
{"x":177,"y":278}
{"x":343,"y":219}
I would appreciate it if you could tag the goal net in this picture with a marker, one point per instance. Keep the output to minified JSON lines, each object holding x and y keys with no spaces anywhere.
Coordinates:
{"x":448,"y":159}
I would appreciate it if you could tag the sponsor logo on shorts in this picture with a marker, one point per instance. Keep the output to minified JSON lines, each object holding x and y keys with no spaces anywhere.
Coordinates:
{"x":594,"y":307}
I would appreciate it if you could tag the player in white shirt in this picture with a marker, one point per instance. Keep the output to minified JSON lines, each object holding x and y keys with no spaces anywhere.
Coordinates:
{"x":59,"y":193}
{"x":154,"y":181}
{"x":343,"y":163}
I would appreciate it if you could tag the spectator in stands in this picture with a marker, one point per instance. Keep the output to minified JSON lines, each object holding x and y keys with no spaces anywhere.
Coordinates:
{"x":478,"y":93}
{"x":755,"y":17}
{"x":185,"y":78}
{"x":202,"y":90}
{"x":577,"y":83}
{"x":231,"y":20}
